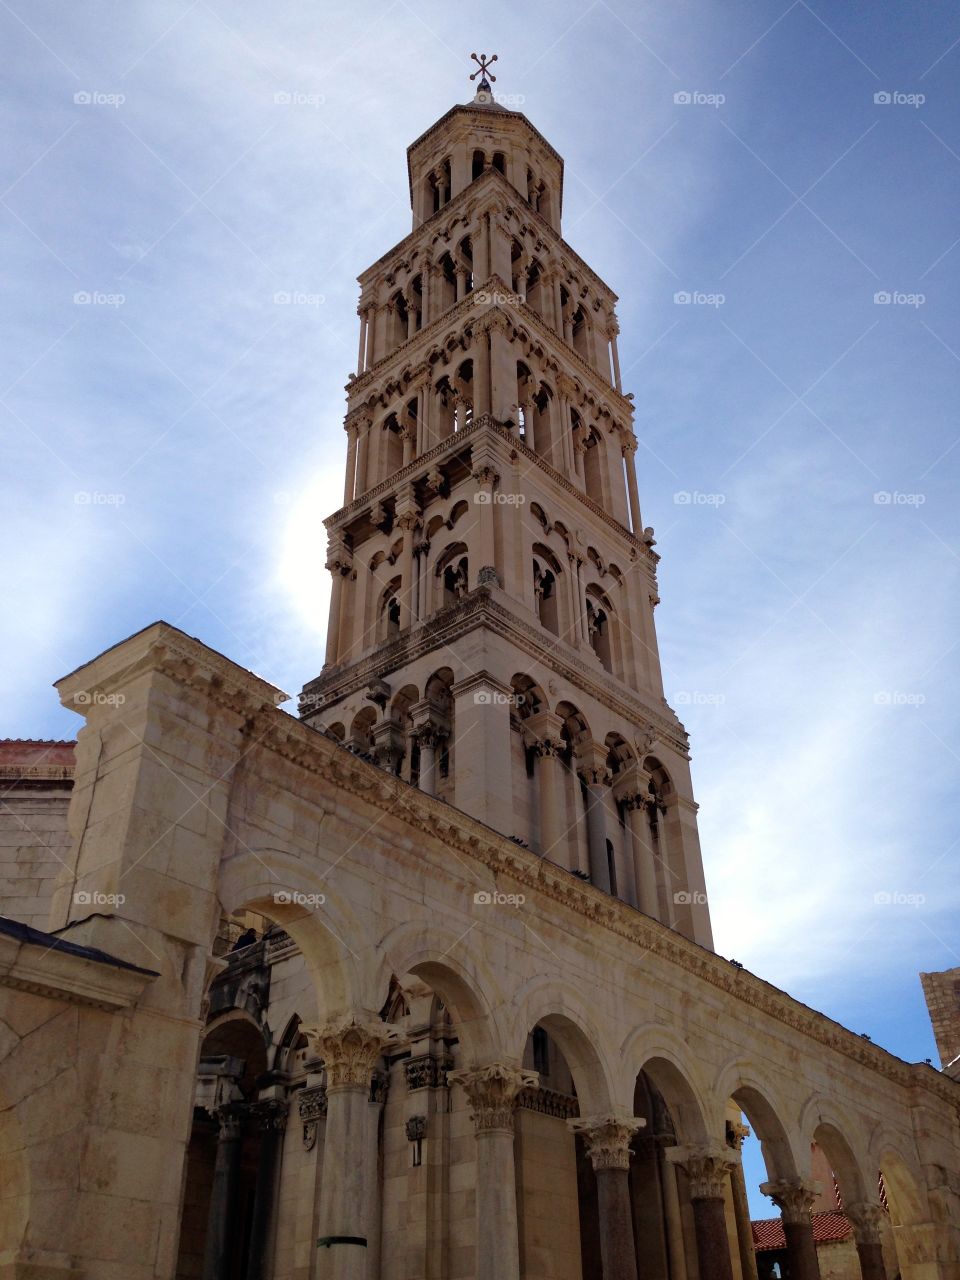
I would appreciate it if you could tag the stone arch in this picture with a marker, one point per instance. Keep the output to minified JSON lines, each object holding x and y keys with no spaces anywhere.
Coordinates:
{"x":666,"y":1059}
{"x":902,"y":1183}
{"x":824,"y":1125}
{"x":464,"y":984}
{"x":563,"y":1013}
{"x":276,"y":884}
{"x":764,"y":1111}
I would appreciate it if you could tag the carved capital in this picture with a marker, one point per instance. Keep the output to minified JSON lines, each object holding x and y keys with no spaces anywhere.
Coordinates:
{"x":707,"y":1168}
{"x":794,"y":1198}
{"x":415,"y":1128}
{"x":608,"y":1138}
{"x":866,"y":1219}
{"x":350,"y":1050}
{"x":492,"y":1093}
{"x":270,"y":1115}
{"x":485,"y":475}
{"x":547,"y":748}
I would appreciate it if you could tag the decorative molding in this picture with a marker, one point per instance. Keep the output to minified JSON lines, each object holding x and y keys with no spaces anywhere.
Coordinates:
{"x":426,"y":1071}
{"x":607,"y":1138}
{"x":794,"y":1198}
{"x":708,"y":1169}
{"x":548,"y":1102}
{"x":492,"y":1092}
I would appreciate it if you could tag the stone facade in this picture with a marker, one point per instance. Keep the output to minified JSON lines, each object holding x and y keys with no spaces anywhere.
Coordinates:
{"x":420,"y":985}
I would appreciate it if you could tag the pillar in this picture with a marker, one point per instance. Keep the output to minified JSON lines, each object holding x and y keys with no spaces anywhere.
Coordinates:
{"x":483,"y":780}
{"x":741,"y":1207}
{"x":428,"y":740}
{"x":608,"y":1146}
{"x":481,"y":372}
{"x":216,"y":1255}
{"x":635,"y":800}
{"x":629,"y":451}
{"x":592,"y":768}
{"x":550,"y":788}
{"x":486,"y":479}
{"x":349,"y":1050}
{"x":795,"y":1199}
{"x":503,"y":369}
{"x":673,"y":1221}
{"x":707,"y":1169}
{"x":866,"y":1219}
{"x":492,"y":1093}
{"x":363,"y":452}
{"x":362,"y":352}
{"x":271,"y":1117}
{"x":349,"y":480}
{"x":338,"y":569}
{"x":614,"y":352}
{"x":407,"y":520}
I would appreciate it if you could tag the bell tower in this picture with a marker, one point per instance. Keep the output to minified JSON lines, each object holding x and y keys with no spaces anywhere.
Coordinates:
{"x":491,"y":635}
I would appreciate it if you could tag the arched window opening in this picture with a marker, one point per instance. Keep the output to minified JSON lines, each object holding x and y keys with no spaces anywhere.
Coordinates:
{"x":541,"y":1051}
{"x":598,"y":628}
{"x":593,"y":468}
{"x":545,"y":591}
{"x":456,"y":581}
{"x":581,"y":334}
{"x":389,"y":622}
{"x":612,"y":868}
{"x":499,"y":163}
{"x":479,"y":164}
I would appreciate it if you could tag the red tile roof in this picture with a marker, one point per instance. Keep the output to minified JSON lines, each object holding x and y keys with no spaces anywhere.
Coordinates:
{"x":828,"y":1228}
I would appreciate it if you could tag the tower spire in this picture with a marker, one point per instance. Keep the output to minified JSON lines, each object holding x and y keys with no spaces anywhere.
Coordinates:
{"x":484,"y":63}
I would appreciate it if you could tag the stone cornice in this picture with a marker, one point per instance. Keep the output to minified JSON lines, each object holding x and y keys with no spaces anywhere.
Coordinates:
{"x":480,"y":609}
{"x":163,"y":647}
{"x":62,"y":975}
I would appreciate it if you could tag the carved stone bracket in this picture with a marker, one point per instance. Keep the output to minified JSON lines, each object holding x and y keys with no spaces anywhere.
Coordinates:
{"x":415,"y":1128}
{"x":426,"y":1072}
{"x":312,"y":1105}
{"x":492,"y":1092}
{"x":607,"y":1138}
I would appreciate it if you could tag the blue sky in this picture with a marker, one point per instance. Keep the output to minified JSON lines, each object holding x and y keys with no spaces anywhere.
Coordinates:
{"x":171,"y":447}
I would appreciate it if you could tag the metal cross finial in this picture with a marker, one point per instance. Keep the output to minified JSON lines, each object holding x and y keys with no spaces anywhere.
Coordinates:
{"x":483,"y":62}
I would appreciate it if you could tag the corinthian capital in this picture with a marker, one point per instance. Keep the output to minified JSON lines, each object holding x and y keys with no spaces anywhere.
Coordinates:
{"x":350,"y":1050}
{"x":707,"y":1168}
{"x":608,"y":1138}
{"x":866,"y":1219}
{"x":492,"y":1092}
{"x":793,"y":1197}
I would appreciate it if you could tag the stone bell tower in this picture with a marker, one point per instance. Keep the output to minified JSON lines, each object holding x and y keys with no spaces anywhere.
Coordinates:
{"x":491,"y":634}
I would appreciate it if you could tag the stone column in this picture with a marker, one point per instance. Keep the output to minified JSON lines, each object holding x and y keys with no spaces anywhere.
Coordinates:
{"x":407,"y":520}
{"x":608,"y":1146}
{"x":707,"y":1170}
{"x":362,"y":353}
{"x":461,"y":274}
{"x":349,"y":482}
{"x":629,"y":451}
{"x":428,"y":739}
{"x":486,"y":478}
{"x":492,"y":1092}
{"x":866,"y":1219}
{"x":349,"y":1051}
{"x":216,"y":1254}
{"x":633,"y":794}
{"x":363,"y":455}
{"x":741,"y":1208}
{"x":592,"y":768}
{"x":795,"y":1199}
{"x":271,"y":1117}
{"x":481,"y":372}
{"x":552,"y":833}
{"x":339,"y":570}
{"x":614,"y":330}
